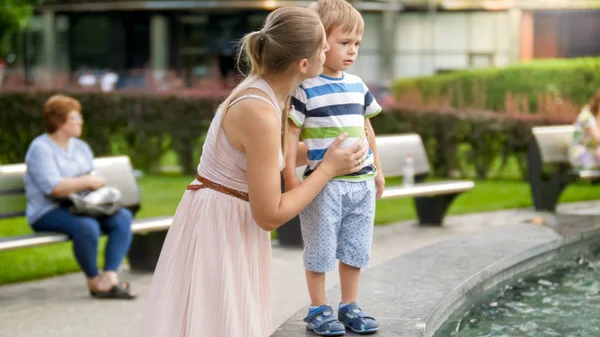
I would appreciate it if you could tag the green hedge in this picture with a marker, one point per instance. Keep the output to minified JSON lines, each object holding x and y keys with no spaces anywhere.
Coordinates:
{"x":573,"y":80}
{"x":146,"y":127}
{"x":463,"y":144}
{"x":143,"y":126}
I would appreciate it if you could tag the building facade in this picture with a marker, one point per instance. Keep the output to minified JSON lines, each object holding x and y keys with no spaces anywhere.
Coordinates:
{"x":193,"y":42}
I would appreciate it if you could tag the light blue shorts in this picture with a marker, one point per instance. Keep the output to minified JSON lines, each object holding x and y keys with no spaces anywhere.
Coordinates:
{"x":338,"y":223}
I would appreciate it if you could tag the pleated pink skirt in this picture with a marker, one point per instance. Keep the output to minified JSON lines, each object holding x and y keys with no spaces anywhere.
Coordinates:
{"x":213,"y":277}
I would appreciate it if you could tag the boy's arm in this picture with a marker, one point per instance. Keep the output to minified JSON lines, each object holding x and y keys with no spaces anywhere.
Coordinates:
{"x":302,"y":155}
{"x":372,"y":109}
{"x":372,"y":143}
{"x":289,"y":171}
{"x":296,"y":153}
{"x":379,"y":178}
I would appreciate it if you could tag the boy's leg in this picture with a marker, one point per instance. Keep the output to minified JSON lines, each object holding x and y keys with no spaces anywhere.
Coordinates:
{"x":320,"y":223}
{"x":354,"y":251}
{"x":316,"y":288}
{"x":355,"y":236}
{"x":349,"y":281}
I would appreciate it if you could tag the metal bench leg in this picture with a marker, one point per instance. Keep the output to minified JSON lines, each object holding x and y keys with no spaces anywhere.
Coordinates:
{"x":432,"y":210}
{"x":545,"y":192}
{"x":290,"y":234}
{"x":145,"y":250}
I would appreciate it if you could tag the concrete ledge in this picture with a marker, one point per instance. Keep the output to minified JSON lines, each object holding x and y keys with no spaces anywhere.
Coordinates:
{"x":414,"y":294}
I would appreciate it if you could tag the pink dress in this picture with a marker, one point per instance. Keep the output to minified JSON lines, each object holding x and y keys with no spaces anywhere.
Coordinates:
{"x":213,"y":277}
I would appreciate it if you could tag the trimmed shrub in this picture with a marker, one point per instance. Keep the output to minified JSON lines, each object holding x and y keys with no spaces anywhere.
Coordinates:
{"x":147,"y":126}
{"x":143,"y":126}
{"x":492,"y":89}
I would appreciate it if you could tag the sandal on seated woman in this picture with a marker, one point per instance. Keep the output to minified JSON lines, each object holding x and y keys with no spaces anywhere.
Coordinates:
{"x":108,"y":286}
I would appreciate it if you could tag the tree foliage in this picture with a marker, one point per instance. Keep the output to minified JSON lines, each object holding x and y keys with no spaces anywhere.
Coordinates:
{"x":14,"y":15}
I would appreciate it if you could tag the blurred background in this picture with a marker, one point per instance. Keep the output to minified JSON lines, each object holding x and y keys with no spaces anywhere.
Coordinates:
{"x":178,"y":44}
{"x":470,"y":76}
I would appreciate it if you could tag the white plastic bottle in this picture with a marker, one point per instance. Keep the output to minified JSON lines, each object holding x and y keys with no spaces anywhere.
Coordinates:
{"x":409,"y":171}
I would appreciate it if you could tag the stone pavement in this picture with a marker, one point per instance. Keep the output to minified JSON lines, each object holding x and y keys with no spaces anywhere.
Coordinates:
{"x":61,"y":307}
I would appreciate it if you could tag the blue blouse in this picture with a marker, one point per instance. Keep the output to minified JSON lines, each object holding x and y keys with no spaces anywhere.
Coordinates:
{"x":47,"y":164}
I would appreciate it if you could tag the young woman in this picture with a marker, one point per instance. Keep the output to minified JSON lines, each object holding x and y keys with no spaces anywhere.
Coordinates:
{"x":214,"y":274}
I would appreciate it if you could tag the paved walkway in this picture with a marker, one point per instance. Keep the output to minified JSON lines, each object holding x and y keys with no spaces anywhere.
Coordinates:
{"x":61,"y":307}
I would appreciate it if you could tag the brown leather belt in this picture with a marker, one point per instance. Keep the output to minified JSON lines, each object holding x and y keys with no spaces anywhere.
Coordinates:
{"x":217,"y":187}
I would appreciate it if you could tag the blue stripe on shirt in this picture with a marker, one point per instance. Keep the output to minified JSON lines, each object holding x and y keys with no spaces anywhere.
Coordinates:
{"x":337,"y":110}
{"x":333,"y":88}
{"x":318,"y":154}
{"x":298,"y":105}
{"x":368,"y":98}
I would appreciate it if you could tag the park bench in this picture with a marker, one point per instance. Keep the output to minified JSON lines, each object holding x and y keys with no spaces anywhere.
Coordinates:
{"x":118,"y":172}
{"x":431,"y":198}
{"x":548,"y":168}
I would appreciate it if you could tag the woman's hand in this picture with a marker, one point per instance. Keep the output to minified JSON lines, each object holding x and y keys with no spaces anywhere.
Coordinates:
{"x":95,"y":182}
{"x":337,"y":162}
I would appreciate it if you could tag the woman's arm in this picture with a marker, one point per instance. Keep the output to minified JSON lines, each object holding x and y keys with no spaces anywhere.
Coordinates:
{"x":259,"y":133}
{"x":289,"y":171}
{"x":44,"y":171}
{"x":76,"y":184}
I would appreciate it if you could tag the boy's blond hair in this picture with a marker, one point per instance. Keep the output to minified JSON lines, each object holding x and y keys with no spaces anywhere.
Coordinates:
{"x":338,"y":13}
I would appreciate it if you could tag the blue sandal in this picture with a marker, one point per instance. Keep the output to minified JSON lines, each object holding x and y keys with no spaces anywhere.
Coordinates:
{"x":322,"y":322}
{"x":356,"y":320}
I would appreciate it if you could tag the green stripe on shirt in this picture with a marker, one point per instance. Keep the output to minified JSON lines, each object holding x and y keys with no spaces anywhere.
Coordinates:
{"x":295,"y":121}
{"x":373,"y":114}
{"x":333,"y":132}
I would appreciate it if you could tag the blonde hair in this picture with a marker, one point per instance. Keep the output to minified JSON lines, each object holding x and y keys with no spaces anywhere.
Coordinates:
{"x":338,"y":13}
{"x":289,"y":35}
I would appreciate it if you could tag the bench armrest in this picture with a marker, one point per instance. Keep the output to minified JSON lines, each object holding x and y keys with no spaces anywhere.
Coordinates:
{"x":428,"y":189}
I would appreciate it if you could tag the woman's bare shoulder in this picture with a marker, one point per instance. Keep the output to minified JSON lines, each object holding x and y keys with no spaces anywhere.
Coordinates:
{"x":253,"y":112}
{"x":251,"y":120}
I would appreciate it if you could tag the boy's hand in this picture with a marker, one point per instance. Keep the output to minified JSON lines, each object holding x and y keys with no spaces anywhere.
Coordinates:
{"x":379,"y":183}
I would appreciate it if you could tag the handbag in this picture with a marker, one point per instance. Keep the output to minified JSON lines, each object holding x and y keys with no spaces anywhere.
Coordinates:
{"x":104,"y":201}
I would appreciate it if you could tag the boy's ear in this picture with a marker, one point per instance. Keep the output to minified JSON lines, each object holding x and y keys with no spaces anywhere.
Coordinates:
{"x":303,"y":66}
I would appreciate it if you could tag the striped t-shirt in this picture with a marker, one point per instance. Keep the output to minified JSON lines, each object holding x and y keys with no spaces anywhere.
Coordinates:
{"x":325,"y":107}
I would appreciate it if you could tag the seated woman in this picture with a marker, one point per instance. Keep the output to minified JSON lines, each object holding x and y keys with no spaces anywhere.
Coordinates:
{"x":58,"y":164}
{"x":584,"y":152}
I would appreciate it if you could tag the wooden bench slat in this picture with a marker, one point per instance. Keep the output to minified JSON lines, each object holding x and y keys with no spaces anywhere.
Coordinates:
{"x":428,"y":189}
{"x":589,"y":174}
{"x":151,"y":225}
{"x":12,"y":205}
{"x":553,"y":142}
{"x":393,"y":150}
{"x":46,"y":238}
{"x":11,"y":177}
{"x":11,"y":215}
{"x":31,"y":240}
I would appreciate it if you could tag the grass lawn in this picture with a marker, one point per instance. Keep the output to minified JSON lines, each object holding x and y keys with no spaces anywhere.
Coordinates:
{"x":161,"y":194}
